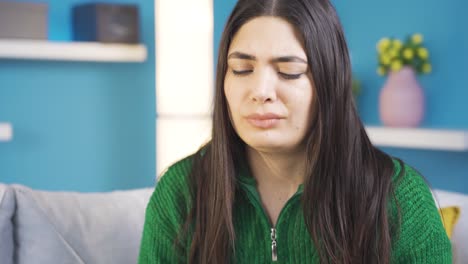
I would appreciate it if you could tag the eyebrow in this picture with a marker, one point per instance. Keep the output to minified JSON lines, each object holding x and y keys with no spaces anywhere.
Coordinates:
{"x":244,"y":56}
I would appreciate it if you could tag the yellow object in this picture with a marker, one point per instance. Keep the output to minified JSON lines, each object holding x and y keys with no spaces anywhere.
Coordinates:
{"x":383,"y":44}
{"x":449,"y":217}
{"x":396,"y":65}
{"x":417,"y":39}
{"x":397,"y":44}
{"x":393,"y":53}
{"x":408,"y":53}
{"x":426,"y":68}
{"x":423,"y":53}
{"x":385,"y":59}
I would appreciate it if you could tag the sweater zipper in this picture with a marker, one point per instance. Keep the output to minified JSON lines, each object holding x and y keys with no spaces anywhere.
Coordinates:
{"x":274,"y":254}
{"x":255,"y":199}
{"x":274,"y":246}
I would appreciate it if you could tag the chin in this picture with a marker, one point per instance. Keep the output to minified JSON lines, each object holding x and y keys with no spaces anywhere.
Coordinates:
{"x":270,"y":145}
{"x":273,"y":140}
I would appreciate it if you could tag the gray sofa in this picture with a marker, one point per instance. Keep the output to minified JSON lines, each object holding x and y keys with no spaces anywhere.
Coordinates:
{"x":41,"y":227}
{"x":38,"y":227}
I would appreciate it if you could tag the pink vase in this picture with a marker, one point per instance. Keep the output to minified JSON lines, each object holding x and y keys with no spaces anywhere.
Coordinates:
{"x":402,"y":99}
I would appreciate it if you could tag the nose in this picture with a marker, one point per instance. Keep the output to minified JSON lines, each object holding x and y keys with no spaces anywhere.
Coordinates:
{"x":263,"y":88}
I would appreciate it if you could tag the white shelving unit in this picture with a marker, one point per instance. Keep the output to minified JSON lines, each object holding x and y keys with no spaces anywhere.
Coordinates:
{"x":71,"y":51}
{"x":419,"y":138}
{"x":6,"y":132}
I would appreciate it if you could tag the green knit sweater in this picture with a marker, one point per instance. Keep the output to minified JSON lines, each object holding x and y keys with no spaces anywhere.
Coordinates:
{"x":422,"y":236}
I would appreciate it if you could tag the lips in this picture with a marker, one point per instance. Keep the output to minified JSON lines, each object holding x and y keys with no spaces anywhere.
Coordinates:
{"x":264,"y":121}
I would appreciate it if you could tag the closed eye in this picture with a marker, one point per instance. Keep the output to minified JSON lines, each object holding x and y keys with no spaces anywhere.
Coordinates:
{"x":242,"y":73}
{"x":290,"y":76}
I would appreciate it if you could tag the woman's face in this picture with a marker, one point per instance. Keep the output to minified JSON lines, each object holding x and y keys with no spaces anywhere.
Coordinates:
{"x":268,"y":86}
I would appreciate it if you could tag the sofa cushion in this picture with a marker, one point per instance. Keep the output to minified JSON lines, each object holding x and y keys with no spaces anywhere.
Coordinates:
{"x":460,"y":231}
{"x":7,"y":209}
{"x":68,"y":227}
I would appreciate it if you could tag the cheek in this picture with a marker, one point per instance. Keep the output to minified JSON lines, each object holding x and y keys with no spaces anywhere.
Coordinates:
{"x":233,"y":95}
{"x":232,"y":102}
{"x":301,"y":106}
{"x":229,"y":99}
{"x":302,"y":114}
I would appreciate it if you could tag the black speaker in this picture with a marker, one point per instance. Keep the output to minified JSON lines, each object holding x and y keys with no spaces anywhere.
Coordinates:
{"x":110,"y":23}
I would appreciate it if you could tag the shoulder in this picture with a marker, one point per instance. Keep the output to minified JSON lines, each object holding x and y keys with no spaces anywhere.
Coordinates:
{"x":411,"y":191}
{"x":407,"y":179}
{"x":414,"y":212}
{"x":172,"y":192}
{"x":166,"y":214}
{"x":177,"y":175}
{"x":410,"y":187}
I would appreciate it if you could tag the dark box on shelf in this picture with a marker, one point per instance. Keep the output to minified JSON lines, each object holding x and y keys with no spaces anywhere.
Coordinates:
{"x":23,"y":20}
{"x":111,"y":23}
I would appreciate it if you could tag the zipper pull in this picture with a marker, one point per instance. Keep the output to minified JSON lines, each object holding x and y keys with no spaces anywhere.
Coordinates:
{"x":274,"y":253}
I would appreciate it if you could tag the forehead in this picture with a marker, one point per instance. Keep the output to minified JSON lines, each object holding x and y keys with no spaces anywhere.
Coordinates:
{"x":268,"y":36}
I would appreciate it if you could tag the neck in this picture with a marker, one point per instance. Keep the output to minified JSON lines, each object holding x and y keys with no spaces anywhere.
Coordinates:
{"x":277,"y":171}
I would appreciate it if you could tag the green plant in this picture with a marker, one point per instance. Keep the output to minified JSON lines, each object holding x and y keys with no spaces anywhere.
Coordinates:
{"x":393,"y":54}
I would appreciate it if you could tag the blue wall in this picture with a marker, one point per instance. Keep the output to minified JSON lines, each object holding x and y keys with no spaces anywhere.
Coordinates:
{"x":365,"y":22}
{"x":78,"y":125}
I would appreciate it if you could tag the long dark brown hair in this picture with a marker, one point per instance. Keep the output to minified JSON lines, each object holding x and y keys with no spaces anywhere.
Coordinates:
{"x":347,"y":181}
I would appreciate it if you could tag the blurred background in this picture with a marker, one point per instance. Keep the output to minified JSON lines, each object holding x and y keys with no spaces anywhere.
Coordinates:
{"x":118,"y":118}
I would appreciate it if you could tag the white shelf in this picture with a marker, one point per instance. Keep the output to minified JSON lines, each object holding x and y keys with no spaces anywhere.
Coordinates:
{"x":6,"y":132}
{"x":419,"y":138}
{"x":71,"y":51}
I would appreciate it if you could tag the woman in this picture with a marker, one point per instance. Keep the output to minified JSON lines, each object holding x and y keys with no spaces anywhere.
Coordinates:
{"x":289,"y":175}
